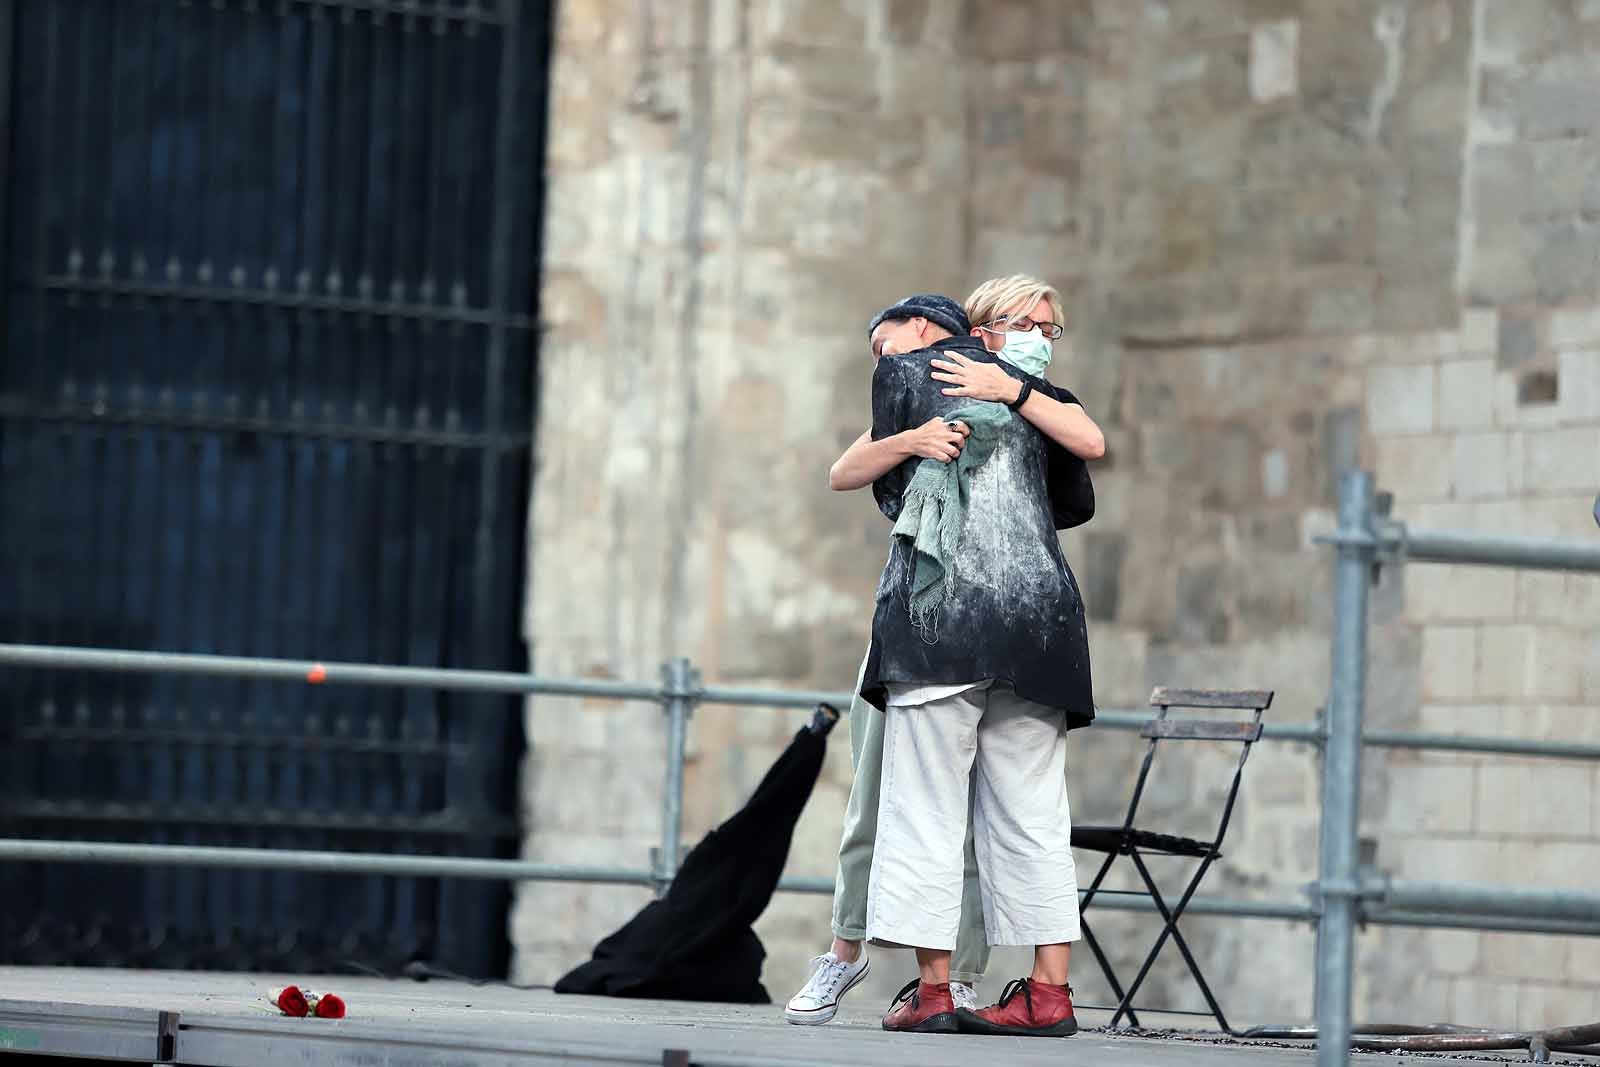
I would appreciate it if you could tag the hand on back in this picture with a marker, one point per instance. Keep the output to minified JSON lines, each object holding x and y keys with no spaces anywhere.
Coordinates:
{"x":938,"y":439}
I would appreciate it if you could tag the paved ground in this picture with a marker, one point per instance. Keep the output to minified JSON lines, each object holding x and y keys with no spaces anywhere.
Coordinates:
{"x":226,"y":1020}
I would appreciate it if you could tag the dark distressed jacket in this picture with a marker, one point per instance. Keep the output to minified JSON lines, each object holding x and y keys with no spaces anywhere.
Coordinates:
{"x":1014,"y":613}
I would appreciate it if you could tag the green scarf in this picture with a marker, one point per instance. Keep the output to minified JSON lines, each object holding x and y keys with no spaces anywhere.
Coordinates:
{"x":933,"y":509}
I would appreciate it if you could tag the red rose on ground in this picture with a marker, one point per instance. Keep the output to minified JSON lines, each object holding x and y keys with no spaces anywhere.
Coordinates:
{"x":330,"y":1006}
{"x":291,"y":1001}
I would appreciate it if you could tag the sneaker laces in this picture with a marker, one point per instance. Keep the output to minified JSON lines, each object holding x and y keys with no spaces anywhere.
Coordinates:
{"x":830,"y":965}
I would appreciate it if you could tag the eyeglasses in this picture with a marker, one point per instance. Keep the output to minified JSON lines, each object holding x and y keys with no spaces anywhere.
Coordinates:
{"x":1021,"y":324}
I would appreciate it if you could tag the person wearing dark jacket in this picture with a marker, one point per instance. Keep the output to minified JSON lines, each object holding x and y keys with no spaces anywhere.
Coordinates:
{"x":979,"y":660}
{"x":1016,"y":318}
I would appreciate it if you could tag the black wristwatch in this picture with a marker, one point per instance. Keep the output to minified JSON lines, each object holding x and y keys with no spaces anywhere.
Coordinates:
{"x":1022,"y":396}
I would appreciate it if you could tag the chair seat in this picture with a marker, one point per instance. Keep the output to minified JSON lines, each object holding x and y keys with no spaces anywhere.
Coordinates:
{"x":1111,"y":838}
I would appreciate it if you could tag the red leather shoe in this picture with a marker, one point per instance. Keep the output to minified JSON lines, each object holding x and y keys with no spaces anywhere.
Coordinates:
{"x":921,"y":1008}
{"x":1026,"y":1009}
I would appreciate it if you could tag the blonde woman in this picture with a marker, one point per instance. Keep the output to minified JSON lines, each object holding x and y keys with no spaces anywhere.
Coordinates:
{"x":1031,"y":310}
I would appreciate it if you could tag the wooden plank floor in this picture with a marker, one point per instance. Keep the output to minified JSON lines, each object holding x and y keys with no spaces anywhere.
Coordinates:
{"x":226,"y":1021}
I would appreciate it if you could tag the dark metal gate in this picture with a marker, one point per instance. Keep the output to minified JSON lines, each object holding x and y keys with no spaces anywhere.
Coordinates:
{"x":266,"y":389}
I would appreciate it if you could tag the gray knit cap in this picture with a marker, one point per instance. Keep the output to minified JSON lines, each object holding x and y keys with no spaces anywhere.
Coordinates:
{"x":934,"y":307}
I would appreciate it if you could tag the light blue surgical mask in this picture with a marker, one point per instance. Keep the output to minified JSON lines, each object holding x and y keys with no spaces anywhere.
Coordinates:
{"x":1029,"y":352}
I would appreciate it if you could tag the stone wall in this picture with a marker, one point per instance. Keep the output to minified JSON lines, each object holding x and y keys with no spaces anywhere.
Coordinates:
{"x":1294,"y":235}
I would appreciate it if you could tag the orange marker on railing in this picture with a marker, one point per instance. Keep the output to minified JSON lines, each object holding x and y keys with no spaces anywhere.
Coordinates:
{"x":317,"y":674}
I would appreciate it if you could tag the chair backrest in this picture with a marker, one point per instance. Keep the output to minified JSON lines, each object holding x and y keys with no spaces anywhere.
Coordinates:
{"x":1162,"y":728}
{"x":1256,"y":700}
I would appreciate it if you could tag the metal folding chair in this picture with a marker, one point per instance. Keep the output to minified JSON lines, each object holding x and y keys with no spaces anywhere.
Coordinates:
{"x":1137,"y":843}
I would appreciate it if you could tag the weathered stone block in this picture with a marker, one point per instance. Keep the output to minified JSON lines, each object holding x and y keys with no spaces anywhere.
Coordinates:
{"x":786,"y":142}
{"x":1484,"y":1001}
{"x":1591,"y":674}
{"x":1101,"y":576}
{"x":1282,"y":782}
{"x":1275,"y":474}
{"x":1480,"y":332}
{"x":1047,"y":204}
{"x":1519,"y":341}
{"x":1449,"y":662}
{"x":1274,"y":59}
{"x":1501,"y":791}
{"x":1012,"y":29}
{"x":1564,"y":720}
{"x":1203,"y":604}
{"x":1121,"y":677}
{"x":1270,"y":592}
{"x":1560,"y":800}
{"x":909,"y":86}
{"x":1466,"y":395}
{"x":1594,"y":822}
{"x":1415,"y":468}
{"x":1542,"y":1004}
{"x":1425,"y":797}
{"x":1440,"y":514}
{"x":1559,"y":864}
{"x":1435,"y":108}
{"x":1564,"y":177}
{"x":1487,"y":464}
{"x":906,"y":21}
{"x":1413,"y":346}
{"x":1559,"y":107}
{"x":1565,"y":599}
{"x":803,"y":75}
{"x":1513,"y":32}
{"x":1400,"y":400}
{"x":1453,"y":952}
{"x":1487,"y":720}
{"x":1336,"y":302}
{"x":1458,"y":594}
{"x":1520,"y":662}
{"x":1063,"y":77}
{"x":1536,"y":385}
{"x":1563,"y":459}
{"x":1574,"y":327}
{"x":1466,"y":859}
{"x":1501,"y":267}
{"x":1502,"y":182}
{"x":1522,"y":400}
{"x":1007,"y":251}
{"x":1565,"y":266}
{"x":810,"y":22}
{"x":1525,"y":956}
{"x":593,"y":26}
{"x":1416,"y":248}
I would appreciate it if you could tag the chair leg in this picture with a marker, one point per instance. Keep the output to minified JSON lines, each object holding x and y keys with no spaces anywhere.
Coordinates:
{"x":1200,"y":980}
{"x":1183,"y":944}
{"x":1123,"y":1005}
{"x":1170,"y":927}
{"x":1194,"y":966}
{"x":1094,"y":885}
{"x":1105,"y":969}
{"x":1094,"y":944}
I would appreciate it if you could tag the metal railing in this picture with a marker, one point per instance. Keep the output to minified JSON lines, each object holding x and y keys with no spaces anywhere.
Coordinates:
{"x":1344,"y":894}
{"x":679,"y":693}
{"x":1366,"y":540}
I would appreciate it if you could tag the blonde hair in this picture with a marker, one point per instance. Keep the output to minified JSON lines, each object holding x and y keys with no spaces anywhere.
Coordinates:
{"x":989,"y":300}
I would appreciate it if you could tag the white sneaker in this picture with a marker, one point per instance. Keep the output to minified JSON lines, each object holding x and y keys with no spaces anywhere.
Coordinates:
{"x":964,"y":995}
{"x":830,"y":981}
